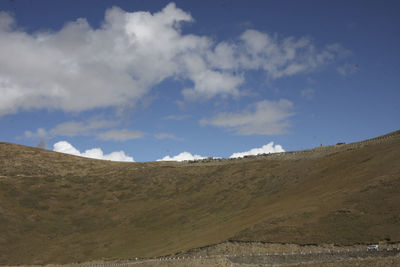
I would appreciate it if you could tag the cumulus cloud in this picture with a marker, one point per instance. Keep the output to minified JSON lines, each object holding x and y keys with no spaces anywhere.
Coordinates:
{"x":264,"y":118}
{"x":182,"y":157}
{"x":266,"y":149}
{"x":130,"y":53}
{"x":120,"y":135}
{"x":94,"y":153}
{"x":118,"y":62}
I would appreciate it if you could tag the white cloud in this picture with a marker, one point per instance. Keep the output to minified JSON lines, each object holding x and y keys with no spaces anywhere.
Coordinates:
{"x":65,"y":147}
{"x":269,"y":148}
{"x":120,"y":135}
{"x":95,"y":153}
{"x":73,"y":128}
{"x":91,"y":127}
{"x":207,"y":82}
{"x":256,"y":50}
{"x":117,"y":63}
{"x":182,"y":157}
{"x":80,"y":68}
{"x":40,"y":133}
{"x":265,"y":118}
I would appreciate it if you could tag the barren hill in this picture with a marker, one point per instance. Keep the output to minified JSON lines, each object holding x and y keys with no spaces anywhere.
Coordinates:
{"x":58,"y":208}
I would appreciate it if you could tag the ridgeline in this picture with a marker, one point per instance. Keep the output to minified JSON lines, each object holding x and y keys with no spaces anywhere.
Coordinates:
{"x":58,"y":208}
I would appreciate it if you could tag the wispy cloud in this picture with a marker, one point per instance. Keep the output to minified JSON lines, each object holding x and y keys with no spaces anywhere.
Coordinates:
{"x":40,"y":133}
{"x":99,"y":129}
{"x":120,"y":135}
{"x":263,"y":118}
{"x":74,"y":128}
{"x":347,"y":69}
{"x":289,"y":56}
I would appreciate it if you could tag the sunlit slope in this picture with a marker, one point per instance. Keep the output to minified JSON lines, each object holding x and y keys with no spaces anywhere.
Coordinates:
{"x":60,"y":208}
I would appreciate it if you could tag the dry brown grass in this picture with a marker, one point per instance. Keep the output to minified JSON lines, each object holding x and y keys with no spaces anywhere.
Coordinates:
{"x":57,"y":208}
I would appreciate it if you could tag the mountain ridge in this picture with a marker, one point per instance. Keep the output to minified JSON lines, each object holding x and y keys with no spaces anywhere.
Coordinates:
{"x":59,"y":208}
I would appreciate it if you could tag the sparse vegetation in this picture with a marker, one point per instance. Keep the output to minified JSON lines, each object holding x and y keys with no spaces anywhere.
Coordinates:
{"x":57,"y":208}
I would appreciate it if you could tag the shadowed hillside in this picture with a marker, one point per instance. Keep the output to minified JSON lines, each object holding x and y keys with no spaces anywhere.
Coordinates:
{"x":58,"y":208}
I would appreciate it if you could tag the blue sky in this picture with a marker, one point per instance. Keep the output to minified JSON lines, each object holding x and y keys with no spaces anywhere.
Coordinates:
{"x":152,"y":79}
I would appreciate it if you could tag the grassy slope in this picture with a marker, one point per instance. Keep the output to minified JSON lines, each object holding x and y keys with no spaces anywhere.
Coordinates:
{"x":60,"y":208}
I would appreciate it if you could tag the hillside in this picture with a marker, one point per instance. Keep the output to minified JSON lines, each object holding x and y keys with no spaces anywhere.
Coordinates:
{"x":58,"y":208}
